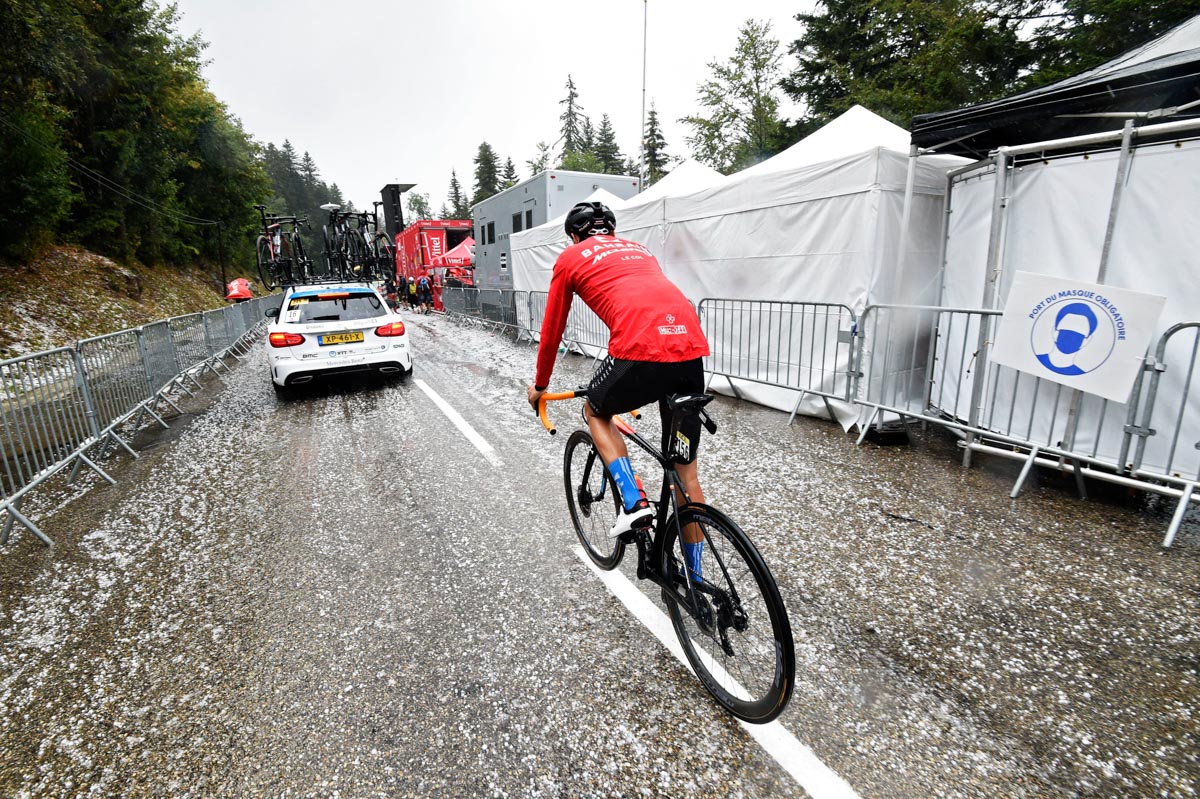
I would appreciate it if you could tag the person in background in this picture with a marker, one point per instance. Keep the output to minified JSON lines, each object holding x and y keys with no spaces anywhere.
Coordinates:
{"x":412,"y":293}
{"x":425,"y":293}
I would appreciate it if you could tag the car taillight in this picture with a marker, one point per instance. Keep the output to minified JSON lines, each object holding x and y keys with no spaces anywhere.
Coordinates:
{"x":394,"y":329}
{"x":286,"y":339}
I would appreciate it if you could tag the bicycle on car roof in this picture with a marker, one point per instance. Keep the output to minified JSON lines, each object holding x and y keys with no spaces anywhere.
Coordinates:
{"x":280,"y":250}
{"x":355,"y":248}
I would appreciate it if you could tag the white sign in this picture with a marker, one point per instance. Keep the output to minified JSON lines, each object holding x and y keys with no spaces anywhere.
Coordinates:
{"x":1081,"y":335}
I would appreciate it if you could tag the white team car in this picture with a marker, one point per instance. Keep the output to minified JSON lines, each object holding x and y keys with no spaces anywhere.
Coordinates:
{"x":331,"y":329}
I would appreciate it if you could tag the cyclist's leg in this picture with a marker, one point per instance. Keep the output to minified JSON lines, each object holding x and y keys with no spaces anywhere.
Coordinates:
{"x":689,"y":379}
{"x":608,"y":439}
{"x":617,"y":387}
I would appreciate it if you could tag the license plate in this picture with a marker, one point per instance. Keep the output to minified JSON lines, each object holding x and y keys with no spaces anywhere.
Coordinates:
{"x":340,"y":338}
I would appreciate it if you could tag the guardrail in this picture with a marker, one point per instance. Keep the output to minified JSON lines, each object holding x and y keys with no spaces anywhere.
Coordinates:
{"x":57,"y":406}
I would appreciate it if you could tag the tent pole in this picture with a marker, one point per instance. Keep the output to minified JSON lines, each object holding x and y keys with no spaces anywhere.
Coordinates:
{"x":944,"y":241}
{"x":1102,"y":273}
{"x":991,"y":289}
{"x":1118,"y":190}
{"x":902,"y":256}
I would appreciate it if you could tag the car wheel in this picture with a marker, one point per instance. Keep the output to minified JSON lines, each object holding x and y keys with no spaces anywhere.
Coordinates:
{"x":282,"y":392}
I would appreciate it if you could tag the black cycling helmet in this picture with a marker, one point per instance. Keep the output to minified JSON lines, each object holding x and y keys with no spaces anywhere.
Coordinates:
{"x":588,"y":219}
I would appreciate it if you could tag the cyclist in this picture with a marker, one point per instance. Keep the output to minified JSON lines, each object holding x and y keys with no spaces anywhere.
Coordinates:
{"x":425,"y":293}
{"x":655,"y":350}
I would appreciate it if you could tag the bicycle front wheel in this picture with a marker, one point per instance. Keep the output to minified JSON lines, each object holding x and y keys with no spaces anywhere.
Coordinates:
{"x":732,"y":623}
{"x":302,"y":270}
{"x":592,"y":500}
{"x":328,"y":252}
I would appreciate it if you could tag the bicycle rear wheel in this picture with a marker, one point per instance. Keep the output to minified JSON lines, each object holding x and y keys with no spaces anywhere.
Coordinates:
{"x":358,"y":267}
{"x":266,"y":265}
{"x":331,"y":254}
{"x":592,"y":500}
{"x":286,"y":260}
{"x":732,"y":624}
{"x":302,"y":270}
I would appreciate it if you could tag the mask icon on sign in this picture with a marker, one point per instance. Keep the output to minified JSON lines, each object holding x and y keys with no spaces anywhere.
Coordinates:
{"x":1073,"y":328}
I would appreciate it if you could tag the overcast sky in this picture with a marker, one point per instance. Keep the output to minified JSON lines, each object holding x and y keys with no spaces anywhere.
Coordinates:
{"x":384,"y":91}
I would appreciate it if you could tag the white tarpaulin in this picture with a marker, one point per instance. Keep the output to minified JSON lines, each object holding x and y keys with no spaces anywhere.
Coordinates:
{"x":1057,"y":214}
{"x":816,"y":223}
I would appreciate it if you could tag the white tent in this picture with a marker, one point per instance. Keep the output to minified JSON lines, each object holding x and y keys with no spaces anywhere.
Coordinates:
{"x":853,"y":132}
{"x":820,"y":222}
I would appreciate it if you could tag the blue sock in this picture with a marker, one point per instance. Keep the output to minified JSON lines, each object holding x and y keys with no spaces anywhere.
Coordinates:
{"x":622,"y":474}
{"x":692,"y":553}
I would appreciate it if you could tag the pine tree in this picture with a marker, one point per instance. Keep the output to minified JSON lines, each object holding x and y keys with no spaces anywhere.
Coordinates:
{"x":587,"y":136}
{"x":510,"y":177}
{"x":572,"y":119}
{"x":541,"y":161}
{"x":656,"y":159}
{"x":308,"y":170}
{"x":606,"y":150}
{"x":459,"y":207}
{"x":487,"y":173}
{"x":444,"y":212}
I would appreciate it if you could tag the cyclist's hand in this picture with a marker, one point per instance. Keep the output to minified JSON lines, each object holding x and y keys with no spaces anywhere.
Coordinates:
{"x":534,"y":396}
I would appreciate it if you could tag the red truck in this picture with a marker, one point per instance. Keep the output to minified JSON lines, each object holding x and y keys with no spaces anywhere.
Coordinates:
{"x":422,"y":241}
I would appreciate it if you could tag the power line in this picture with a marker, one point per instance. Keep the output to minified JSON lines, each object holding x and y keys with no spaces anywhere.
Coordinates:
{"x":114,"y":187}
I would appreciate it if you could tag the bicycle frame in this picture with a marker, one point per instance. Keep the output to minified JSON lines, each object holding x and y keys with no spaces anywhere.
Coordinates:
{"x":651,"y":548}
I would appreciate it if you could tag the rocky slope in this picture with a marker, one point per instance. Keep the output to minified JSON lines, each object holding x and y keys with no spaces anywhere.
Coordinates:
{"x":69,"y":293}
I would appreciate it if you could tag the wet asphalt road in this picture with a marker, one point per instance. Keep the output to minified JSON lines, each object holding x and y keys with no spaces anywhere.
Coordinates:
{"x":340,"y":596}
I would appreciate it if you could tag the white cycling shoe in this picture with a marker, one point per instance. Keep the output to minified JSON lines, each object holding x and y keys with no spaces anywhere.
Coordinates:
{"x":639,"y":518}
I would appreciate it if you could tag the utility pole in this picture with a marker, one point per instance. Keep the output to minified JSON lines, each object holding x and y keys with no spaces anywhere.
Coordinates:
{"x":642,"y":137}
{"x":221,"y":254}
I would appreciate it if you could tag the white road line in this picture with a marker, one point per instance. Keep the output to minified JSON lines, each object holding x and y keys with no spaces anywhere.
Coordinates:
{"x":462,"y":424}
{"x":819,"y":780}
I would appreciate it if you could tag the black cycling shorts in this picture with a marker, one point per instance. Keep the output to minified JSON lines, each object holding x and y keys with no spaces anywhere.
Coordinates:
{"x":620,"y":386}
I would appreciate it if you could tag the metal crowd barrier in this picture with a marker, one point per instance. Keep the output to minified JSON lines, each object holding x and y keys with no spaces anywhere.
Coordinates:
{"x":499,"y":307}
{"x":930,"y":364}
{"x":1173,"y":458}
{"x":806,"y":346}
{"x":57,"y":406}
{"x":584,"y":332}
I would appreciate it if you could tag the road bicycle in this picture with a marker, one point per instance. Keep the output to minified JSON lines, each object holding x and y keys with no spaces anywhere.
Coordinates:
{"x":730,"y":621}
{"x":353,"y":251}
{"x":280,"y":251}
{"x":382,"y":248}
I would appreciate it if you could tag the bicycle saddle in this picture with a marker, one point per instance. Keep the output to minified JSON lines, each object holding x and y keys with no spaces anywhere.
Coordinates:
{"x":688,"y":402}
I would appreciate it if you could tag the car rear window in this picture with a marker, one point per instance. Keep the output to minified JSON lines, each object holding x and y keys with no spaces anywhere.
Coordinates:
{"x":336,"y":306}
